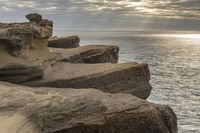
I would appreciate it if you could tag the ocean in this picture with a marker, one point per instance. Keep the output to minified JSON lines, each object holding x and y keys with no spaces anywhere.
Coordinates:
{"x":174,"y":62}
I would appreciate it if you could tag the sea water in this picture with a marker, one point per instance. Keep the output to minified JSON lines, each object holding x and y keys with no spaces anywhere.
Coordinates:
{"x":174,"y":62}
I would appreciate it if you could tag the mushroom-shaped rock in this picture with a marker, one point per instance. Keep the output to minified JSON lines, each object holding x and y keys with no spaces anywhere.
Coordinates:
{"x":27,"y":41}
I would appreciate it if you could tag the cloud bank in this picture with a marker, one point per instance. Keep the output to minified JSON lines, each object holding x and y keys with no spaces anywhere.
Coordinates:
{"x":135,"y":12}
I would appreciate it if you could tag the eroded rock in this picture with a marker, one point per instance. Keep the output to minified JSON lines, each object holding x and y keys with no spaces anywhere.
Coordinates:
{"x":19,"y":38}
{"x":53,"y":110}
{"x":64,"y":42}
{"x":129,"y":78}
{"x":87,"y":54}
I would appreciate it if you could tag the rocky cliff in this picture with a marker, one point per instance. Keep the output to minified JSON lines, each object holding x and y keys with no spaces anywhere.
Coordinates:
{"x":25,"y":43}
{"x":72,"y":107}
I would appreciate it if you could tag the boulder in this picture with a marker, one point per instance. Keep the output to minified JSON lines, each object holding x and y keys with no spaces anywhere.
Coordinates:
{"x":34,"y":17}
{"x":64,"y":42}
{"x":53,"y":110}
{"x":130,"y":78}
{"x":87,"y":54}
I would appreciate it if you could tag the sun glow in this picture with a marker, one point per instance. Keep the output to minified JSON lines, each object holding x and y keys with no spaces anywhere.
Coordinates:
{"x":194,"y":37}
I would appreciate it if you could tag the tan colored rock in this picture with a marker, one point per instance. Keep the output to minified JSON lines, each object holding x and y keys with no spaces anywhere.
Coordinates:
{"x":129,"y":78}
{"x":20,"y":38}
{"x":23,"y":49}
{"x":87,"y":54}
{"x":53,"y":110}
{"x":64,"y":42}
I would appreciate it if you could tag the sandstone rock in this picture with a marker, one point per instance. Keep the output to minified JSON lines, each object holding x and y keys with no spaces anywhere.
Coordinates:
{"x":25,"y":43}
{"x":64,"y":42}
{"x":53,"y":110}
{"x":88,"y":54}
{"x":130,"y":78}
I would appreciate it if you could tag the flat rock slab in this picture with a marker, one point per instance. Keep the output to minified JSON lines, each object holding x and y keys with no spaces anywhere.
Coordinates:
{"x":130,"y":78}
{"x":88,"y":54}
{"x":64,"y":42}
{"x":53,"y":110}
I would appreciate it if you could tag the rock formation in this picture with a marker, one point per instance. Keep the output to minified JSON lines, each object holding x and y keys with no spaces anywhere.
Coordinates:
{"x":50,"y":110}
{"x":25,"y":42}
{"x":64,"y":42}
{"x":129,"y":78}
{"x":25,"y":59}
{"x":87,"y":54}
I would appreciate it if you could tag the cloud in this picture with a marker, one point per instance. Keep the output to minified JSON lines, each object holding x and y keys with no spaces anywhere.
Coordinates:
{"x":160,"y":8}
{"x":90,"y":13}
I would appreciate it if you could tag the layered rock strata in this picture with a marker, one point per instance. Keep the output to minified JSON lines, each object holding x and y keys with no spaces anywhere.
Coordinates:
{"x":50,"y":110}
{"x":64,"y":42}
{"x":25,"y":59}
{"x":130,"y":78}
{"x":17,"y":73}
{"x":87,"y":54}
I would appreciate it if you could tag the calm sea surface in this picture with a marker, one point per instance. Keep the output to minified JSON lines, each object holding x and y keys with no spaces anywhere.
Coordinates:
{"x":174,"y":62}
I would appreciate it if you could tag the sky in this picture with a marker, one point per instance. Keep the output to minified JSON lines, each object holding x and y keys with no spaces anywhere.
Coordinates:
{"x":177,"y":15}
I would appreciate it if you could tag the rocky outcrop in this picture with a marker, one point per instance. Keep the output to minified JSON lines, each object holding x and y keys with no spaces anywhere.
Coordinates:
{"x":87,"y":54}
{"x":24,"y":56}
{"x":53,"y":110}
{"x":64,"y":42}
{"x":23,"y":49}
{"x":25,"y":41}
{"x":25,"y":59}
{"x":130,"y":78}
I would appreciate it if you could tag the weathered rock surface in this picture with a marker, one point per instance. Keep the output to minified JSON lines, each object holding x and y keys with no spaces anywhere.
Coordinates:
{"x":130,"y":78}
{"x":87,"y":54}
{"x":23,"y":49}
{"x":53,"y":110}
{"x":17,"y":73}
{"x":25,"y":40}
{"x":64,"y":42}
